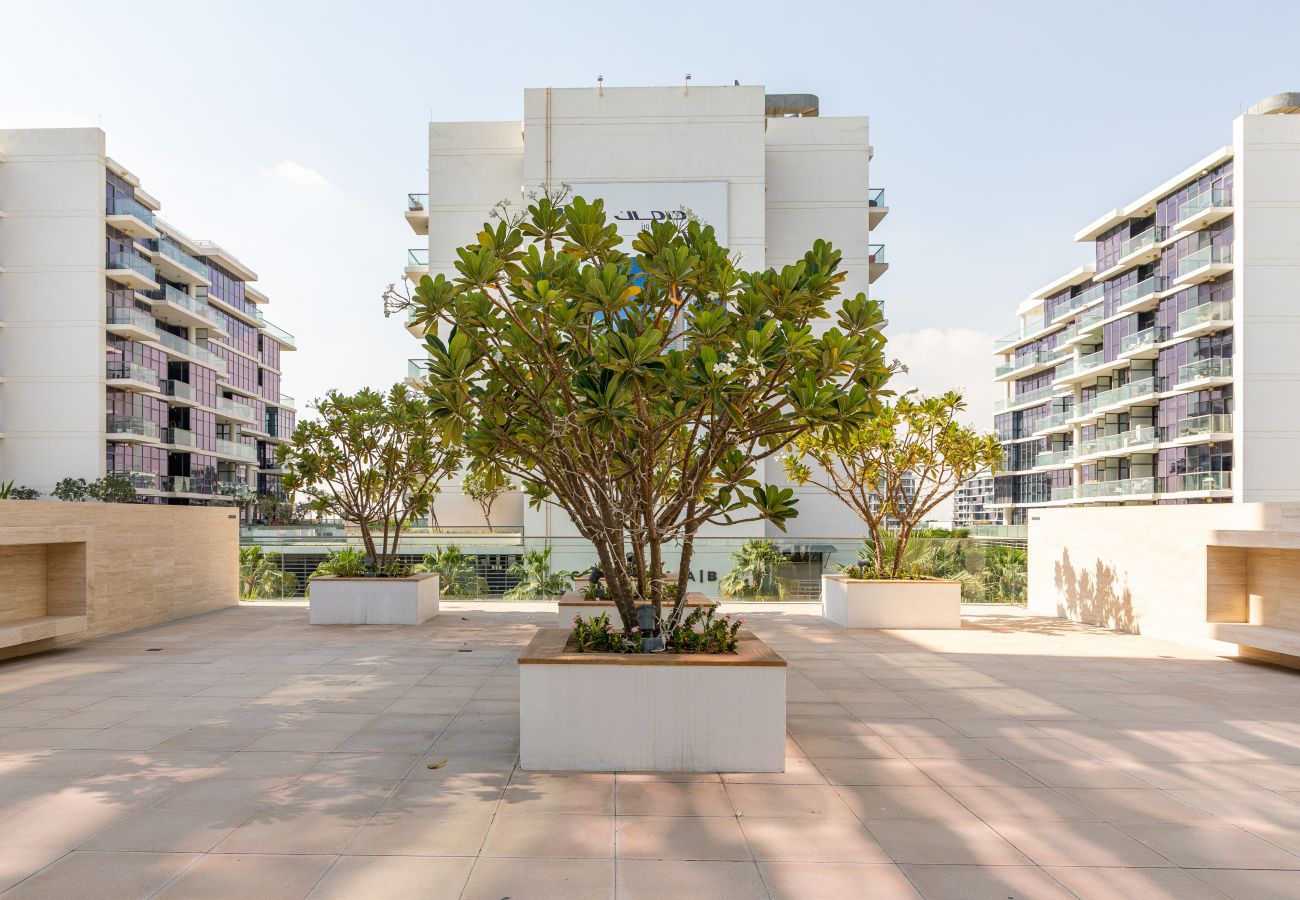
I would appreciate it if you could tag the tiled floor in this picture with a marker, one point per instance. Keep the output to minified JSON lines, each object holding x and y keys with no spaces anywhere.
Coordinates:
{"x":245,"y":754}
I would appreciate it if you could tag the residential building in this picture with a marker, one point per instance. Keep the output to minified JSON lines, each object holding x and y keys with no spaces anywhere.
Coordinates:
{"x":126,"y":346}
{"x":971,"y":503}
{"x":767,"y":171}
{"x":1163,"y":370}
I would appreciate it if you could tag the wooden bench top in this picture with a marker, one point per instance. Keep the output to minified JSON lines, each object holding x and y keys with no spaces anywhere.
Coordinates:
{"x":548,"y":648}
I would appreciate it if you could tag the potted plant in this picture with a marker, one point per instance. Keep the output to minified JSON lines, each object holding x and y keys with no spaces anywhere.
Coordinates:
{"x":640,"y":389}
{"x":893,"y":471}
{"x":373,"y":459}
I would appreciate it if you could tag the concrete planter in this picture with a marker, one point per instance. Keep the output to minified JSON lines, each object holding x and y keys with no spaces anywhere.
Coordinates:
{"x":599,"y":712}
{"x":373,"y":601}
{"x":893,"y":603}
{"x":571,"y":605}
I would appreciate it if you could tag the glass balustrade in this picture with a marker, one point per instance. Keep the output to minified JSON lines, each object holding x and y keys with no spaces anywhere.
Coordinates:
{"x":1126,"y":487}
{"x":116,"y":424}
{"x":1026,"y":399}
{"x":1134,"y":390}
{"x":181,"y":437}
{"x":1203,"y":481}
{"x":1091,"y":361}
{"x":417,"y":256}
{"x":1204,"y":258}
{"x":132,"y":371}
{"x":1141,"y":290}
{"x":876,"y":198}
{"x":135,"y":318}
{"x":140,"y":266}
{"x":235,"y":448}
{"x":1067,"y":492}
{"x":1054,"y":457}
{"x":1217,"y":423}
{"x":127,"y":206}
{"x":417,"y":202}
{"x":1214,"y":311}
{"x":1149,"y":238}
{"x":177,"y":255}
{"x":876,"y":253}
{"x":1211,"y":199}
{"x":1147,"y":337}
{"x":1205,"y":368}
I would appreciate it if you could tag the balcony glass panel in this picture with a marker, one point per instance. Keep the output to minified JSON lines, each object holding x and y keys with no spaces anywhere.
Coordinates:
{"x":1091,"y":361}
{"x":1124,"y":488}
{"x":876,"y":253}
{"x":417,"y":202}
{"x":132,"y":371}
{"x":417,"y":368}
{"x":1052,"y":457}
{"x":1144,"y":338}
{"x":1152,"y":236}
{"x":181,"y":437}
{"x":176,"y":254}
{"x":128,"y":315}
{"x":235,"y":448}
{"x":130,"y":261}
{"x":1134,"y":390}
{"x":1204,"y":481}
{"x":1220,"y":423}
{"x":1142,"y":289}
{"x":190,"y":349}
{"x":126,"y":206}
{"x":417,"y":256}
{"x":130,"y":425}
{"x":1205,"y":368}
{"x":1206,"y":256}
{"x":876,"y":197}
{"x":1218,"y":197}
{"x":278,"y":333}
{"x":1214,"y":311}
{"x":1064,"y":493}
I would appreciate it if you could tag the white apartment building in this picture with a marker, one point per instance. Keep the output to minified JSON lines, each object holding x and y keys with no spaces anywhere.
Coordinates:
{"x":125,"y":346}
{"x":971,"y":504}
{"x":766,"y":170}
{"x":1165,"y":369}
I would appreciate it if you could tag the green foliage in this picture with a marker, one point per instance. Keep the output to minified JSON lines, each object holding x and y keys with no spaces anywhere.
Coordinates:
{"x":370,"y":458}
{"x":1006,"y":574}
{"x":456,"y":572}
{"x":107,"y":489}
{"x":639,"y":388}
{"x":941,"y":533}
{"x":536,"y":580}
{"x":757,"y":571}
{"x":9,"y":492}
{"x":868,"y":467}
{"x":484,"y":484}
{"x":701,"y":632}
{"x":262,"y":576}
{"x":597,"y":635}
{"x":349,"y":562}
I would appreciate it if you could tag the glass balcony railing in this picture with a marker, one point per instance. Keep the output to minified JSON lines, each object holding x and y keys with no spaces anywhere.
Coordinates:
{"x":1141,"y":290}
{"x":1024,"y":361}
{"x":181,"y":437}
{"x":235,"y":448}
{"x":1013,"y":532}
{"x":1078,"y":301}
{"x":1134,"y":390}
{"x":417,"y":368}
{"x":141,"y":481}
{"x":1064,"y":369}
{"x":1126,"y":487}
{"x":278,"y":333}
{"x":192,"y":350}
{"x":1149,"y":238}
{"x":1205,"y":368}
{"x":126,"y":206}
{"x":1147,"y":337}
{"x":1091,"y":361}
{"x":1214,"y":311}
{"x":1053,"y":457}
{"x":1204,"y":258}
{"x":287,"y":402}
{"x":178,"y":484}
{"x":417,"y":202}
{"x":1007,"y":340}
{"x":1203,"y":481}
{"x":876,"y":253}
{"x":1089,"y":316}
{"x":139,"y":265}
{"x":185,"y":301}
{"x":132,"y":371}
{"x":235,"y":409}
{"x":1026,"y":399}
{"x":129,"y":315}
{"x":1108,"y":443}
{"x":876,"y":198}
{"x":1066,"y":492}
{"x":1055,"y":420}
{"x":1216,"y":423}
{"x":115,"y":424}
{"x":417,"y":256}
{"x":1211,"y":199}
{"x":176,"y":254}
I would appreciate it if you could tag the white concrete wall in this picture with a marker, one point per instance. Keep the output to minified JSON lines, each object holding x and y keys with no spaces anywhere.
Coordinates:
{"x":1266,"y":256}
{"x":52,"y":303}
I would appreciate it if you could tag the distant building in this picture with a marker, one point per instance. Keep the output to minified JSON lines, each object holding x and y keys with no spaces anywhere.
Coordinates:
{"x":970,"y":503}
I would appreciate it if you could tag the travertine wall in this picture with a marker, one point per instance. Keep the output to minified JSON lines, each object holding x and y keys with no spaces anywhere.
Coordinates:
{"x":1147,"y":569}
{"x":140,"y":564}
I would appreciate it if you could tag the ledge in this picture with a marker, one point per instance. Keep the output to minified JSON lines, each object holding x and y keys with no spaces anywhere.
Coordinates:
{"x":575,"y":598}
{"x":548,"y":648}
{"x":375,"y":579}
{"x":39,"y":628}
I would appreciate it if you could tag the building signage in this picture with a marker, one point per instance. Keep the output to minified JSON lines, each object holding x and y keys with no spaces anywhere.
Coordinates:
{"x":633,"y":205}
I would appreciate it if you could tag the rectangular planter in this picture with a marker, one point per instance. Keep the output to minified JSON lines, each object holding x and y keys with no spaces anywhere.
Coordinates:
{"x":892,"y":603}
{"x":373,"y":601}
{"x":600,"y":712}
{"x":572,"y":605}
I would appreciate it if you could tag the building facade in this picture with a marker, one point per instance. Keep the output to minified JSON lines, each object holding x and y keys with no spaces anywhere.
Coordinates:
{"x":972,"y":503}
{"x":1164,"y":370}
{"x":127,"y":347}
{"x":765,"y":170}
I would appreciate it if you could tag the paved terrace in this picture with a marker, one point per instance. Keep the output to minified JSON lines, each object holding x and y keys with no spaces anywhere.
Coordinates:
{"x":245,"y":754}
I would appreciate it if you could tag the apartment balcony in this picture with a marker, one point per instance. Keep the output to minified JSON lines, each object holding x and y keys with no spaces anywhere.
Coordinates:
{"x":1093,"y":295}
{"x":177,"y":265}
{"x":876,"y":265}
{"x":1055,"y":459}
{"x":1207,"y":429}
{"x":133,"y":271}
{"x":283,"y":400}
{"x":130,"y":217}
{"x":1056,"y":422}
{"x":1202,"y":210}
{"x":181,"y":437}
{"x":1204,"y":319}
{"x":130,"y":428}
{"x":1141,"y":248}
{"x":236,"y":450}
{"x":233,"y":409}
{"x":1204,"y":265}
{"x":1003,"y":532}
{"x":1144,"y":344}
{"x":130,"y":323}
{"x":191,"y":351}
{"x":184,"y":484}
{"x":877,"y":207}
{"x":1138,"y":489}
{"x":1088,"y":367}
{"x":284,"y":338}
{"x":175,"y":307}
{"x":1020,"y":401}
{"x":1027,"y":364}
{"x":1065,"y":492}
{"x":1143,"y":439}
{"x":417,"y":370}
{"x":1136,"y":393}
{"x":417,"y":263}
{"x":1201,"y":484}
{"x":1140,"y":297}
{"x":130,"y":376}
{"x":417,"y":212}
{"x":1203,"y":375}
{"x":1086,"y":328}
{"x":141,"y":481}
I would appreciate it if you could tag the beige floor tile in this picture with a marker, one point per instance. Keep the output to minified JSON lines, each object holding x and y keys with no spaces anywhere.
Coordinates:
{"x":15,"y":865}
{"x":421,"y":833}
{"x":103,"y":875}
{"x":980,"y":882}
{"x":1078,"y":844}
{"x":645,"y":879}
{"x":557,"y":794}
{"x":928,"y":842}
{"x":57,"y":825}
{"x":673,"y":799}
{"x":681,"y":837}
{"x":872,"y":771}
{"x":1064,"y":773}
{"x":1138,"y":884}
{"x":902,"y":802}
{"x":225,"y":792}
{"x":1135,"y":806}
{"x":170,"y":830}
{"x":798,"y":770}
{"x":1246,"y":885}
{"x":1213,"y":847}
{"x":549,"y":835}
{"x":542,"y":879}
{"x":222,"y":876}
{"x":801,"y":840}
{"x":282,"y":830}
{"x":393,"y":878}
{"x":975,"y":773}
{"x":1027,"y":804}
{"x":801,"y":881}
{"x":847,"y":746}
{"x":787,"y":800}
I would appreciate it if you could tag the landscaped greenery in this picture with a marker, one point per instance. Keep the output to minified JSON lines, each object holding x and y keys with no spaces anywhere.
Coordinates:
{"x":8,"y":491}
{"x":893,"y":470}
{"x":106,"y":489}
{"x":373,"y":459}
{"x":262,"y":576}
{"x":640,"y":387}
{"x":456,"y":572}
{"x":758,"y":572}
{"x":536,"y":580}
{"x":346,"y":563}
{"x":484,"y":484}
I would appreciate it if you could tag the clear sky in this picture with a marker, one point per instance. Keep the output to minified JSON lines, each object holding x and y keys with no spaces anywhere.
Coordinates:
{"x":290,"y":132}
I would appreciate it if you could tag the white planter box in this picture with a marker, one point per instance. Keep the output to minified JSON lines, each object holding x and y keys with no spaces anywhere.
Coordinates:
{"x":373,"y":601}
{"x":571,"y":605}
{"x":895,"y":603}
{"x":590,"y":712}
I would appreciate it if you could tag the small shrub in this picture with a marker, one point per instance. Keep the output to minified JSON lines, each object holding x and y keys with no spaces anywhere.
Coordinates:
{"x":349,"y":562}
{"x":9,"y":492}
{"x":598,"y":636}
{"x":702,"y":632}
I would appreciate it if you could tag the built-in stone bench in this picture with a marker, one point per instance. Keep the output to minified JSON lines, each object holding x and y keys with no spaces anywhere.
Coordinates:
{"x":572,"y":605}
{"x":44,"y":583}
{"x":1253,"y":591}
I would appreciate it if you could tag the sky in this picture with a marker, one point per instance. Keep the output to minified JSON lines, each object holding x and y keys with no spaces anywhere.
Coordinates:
{"x":290,"y":132}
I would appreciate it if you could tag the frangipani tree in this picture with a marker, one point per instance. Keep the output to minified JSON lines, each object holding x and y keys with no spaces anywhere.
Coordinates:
{"x":868,"y":467}
{"x":373,"y":459}
{"x":640,"y":388}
